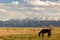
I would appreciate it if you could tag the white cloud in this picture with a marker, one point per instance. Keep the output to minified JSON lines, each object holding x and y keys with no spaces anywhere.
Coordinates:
{"x":3,"y":10}
{"x":22,"y":8}
{"x":2,"y":4}
{"x":43,"y":18}
{"x":12,"y":13}
{"x":15,"y":3}
{"x":38,"y":8}
{"x":52,"y":18}
{"x":12,"y":3}
{"x":24,"y":0}
{"x":9,"y":11}
{"x":38,"y":2}
{"x":29,"y":13}
{"x":7,"y":15}
{"x":21,"y":16}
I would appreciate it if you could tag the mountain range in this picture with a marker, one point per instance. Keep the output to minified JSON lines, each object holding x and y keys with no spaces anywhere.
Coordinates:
{"x":28,"y":23}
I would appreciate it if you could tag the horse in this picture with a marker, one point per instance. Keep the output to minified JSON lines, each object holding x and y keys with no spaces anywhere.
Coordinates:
{"x":43,"y":31}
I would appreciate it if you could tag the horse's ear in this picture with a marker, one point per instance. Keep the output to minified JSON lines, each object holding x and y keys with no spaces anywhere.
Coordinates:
{"x":51,"y":27}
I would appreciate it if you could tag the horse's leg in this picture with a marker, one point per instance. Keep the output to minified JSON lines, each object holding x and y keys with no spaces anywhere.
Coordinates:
{"x":49,"y":34}
{"x":42,"y":35}
{"x":39,"y":34}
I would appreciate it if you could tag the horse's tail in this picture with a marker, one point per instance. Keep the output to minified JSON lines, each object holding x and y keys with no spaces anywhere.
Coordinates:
{"x":39,"y":34}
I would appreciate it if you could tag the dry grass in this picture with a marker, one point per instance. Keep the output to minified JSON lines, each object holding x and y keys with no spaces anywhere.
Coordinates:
{"x":8,"y":31}
{"x":26,"y":33}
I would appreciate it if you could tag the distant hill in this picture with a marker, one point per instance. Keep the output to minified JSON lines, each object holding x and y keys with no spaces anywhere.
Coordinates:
{"x":28,"y":23}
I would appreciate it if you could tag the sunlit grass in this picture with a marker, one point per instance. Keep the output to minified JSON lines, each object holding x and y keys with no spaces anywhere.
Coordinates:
{"x":29,"y":37}
{"x":31,"y":34}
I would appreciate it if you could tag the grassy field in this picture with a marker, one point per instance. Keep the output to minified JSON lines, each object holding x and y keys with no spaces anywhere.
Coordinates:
{"x":26,"y":34}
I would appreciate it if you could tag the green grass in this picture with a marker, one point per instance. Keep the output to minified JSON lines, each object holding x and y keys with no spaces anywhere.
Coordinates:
{"x":29,"y":37}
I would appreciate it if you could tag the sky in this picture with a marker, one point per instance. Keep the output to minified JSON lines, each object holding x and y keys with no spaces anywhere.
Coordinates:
{"x":23,"y":9}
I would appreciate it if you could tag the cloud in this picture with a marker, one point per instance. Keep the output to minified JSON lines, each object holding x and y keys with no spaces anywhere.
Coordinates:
{"x":22,"y":8}
{"x":11,"y":3}
{"x":3,"y":10}
{"x":2,"y":4}
{"x":43,"y":18}
{"x":41,"y":3}
{"x":53,"y":18}
{"x":38,"y":8}
{"x":28,"y":13}
{"x":15,"y":3}
{"x":22,"y":17}
{"x":12,"y":13}
{"x":36,"y":2}
{"x":7,"y":15}
{"x":24,"y":0}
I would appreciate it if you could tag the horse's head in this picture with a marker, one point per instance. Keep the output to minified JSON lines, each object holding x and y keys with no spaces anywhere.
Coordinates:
{"x":51,"y":27}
